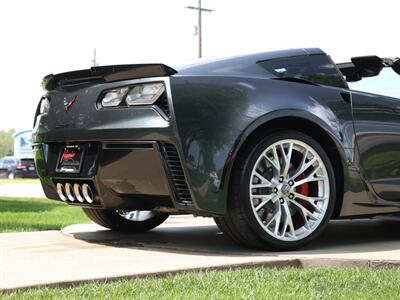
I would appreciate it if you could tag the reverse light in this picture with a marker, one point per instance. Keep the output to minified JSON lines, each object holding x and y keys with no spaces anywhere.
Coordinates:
{"x":140,"y":94}
{"x":114,"y":97}
{"x":144,"y":94}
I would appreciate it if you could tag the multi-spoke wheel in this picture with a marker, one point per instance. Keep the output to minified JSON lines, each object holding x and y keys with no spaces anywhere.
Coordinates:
{"x":124,"y":220}
{"x":283,"y":193}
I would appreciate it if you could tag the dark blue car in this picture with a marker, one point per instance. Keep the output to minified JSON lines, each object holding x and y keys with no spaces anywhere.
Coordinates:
{"x":11,"y":167}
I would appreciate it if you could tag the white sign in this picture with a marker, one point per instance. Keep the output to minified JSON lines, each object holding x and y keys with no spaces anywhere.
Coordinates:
{"x":23,"y":144}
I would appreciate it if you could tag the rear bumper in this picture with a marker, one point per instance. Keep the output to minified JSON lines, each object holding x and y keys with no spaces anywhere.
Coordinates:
{"x":121,"y":175}
{"x":123,"y":178}
{"x":18,"y":173}
{"x":4,"y":172}
{"x":26,"y":174}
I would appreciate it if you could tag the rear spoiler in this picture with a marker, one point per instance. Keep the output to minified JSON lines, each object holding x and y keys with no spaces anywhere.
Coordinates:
{"x":108,"y":74}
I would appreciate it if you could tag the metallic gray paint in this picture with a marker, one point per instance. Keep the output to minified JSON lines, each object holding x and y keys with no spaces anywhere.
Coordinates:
{"x":215,"y":106}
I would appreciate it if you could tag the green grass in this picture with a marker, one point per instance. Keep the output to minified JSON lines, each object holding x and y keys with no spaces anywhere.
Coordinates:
{"x":259,"y":283}
{"x":33,"y":214}
{"x":19,"y":180}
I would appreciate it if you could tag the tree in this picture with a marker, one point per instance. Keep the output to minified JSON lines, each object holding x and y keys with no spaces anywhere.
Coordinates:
{"x":6,"y":142}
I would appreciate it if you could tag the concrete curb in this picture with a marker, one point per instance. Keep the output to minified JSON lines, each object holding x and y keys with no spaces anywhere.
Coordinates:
{"x":278,"y":264}
{"x":347,"y":263}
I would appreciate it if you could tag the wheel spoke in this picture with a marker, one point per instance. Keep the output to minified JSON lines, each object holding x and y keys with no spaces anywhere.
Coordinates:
{"x":264,"y":182}
{"x":310,"y":200}
{"x":261,"y":185}
{"x":306,"y":213}
{"x":287,"y":158}
{"x":275,"y":162}
{"x":136,"y":215}
{"x":288,"y":221}
{"x":265,"y":200}
{"x":309,"y":179}
{"x":281,"y":209}
{"x":303,"y":167}
{"x":276,"y":218}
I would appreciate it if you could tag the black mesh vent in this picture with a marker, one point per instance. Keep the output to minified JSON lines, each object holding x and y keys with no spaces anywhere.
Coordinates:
{"x":176,"y":174}
{"x":163,"y":104}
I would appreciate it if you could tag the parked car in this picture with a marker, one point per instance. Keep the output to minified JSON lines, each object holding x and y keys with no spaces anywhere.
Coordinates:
{"x":271,"y":145}
{"x":11,"y":167}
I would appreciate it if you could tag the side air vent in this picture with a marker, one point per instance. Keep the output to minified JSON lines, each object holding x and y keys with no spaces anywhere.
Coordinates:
{"x":176,"y":174}
{"x":162,"y":103}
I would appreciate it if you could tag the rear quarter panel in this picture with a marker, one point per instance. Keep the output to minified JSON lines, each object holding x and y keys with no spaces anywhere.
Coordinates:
{"x":215,"y":113}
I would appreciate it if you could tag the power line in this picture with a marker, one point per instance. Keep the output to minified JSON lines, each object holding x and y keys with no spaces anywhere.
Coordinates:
{"x":199,"y":33}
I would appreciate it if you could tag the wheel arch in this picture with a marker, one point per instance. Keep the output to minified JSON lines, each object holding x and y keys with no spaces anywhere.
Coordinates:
{"x":299,"y":121}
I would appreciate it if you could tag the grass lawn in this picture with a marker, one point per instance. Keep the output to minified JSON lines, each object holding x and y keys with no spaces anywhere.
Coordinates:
{"x":259,"y":283}
{"x":19,"y":180}
{"x":33,"y":214}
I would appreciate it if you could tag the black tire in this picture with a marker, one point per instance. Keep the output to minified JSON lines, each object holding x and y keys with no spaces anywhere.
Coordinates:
{"x":240,"y":223}
{"x":112,"y":220}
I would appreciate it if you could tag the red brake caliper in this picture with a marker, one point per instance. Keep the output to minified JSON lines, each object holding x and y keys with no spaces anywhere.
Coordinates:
{"x":302,"y":189}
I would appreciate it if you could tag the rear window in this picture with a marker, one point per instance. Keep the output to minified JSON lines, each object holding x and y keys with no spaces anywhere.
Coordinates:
{"x":28,"y":162}
{"x":318,"y":69}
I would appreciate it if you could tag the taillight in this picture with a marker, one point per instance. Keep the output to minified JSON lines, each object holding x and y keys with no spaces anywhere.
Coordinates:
{"x":20,"y":166}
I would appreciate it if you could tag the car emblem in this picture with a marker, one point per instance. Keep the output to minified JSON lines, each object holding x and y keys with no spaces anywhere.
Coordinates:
{"x":68,"y":103}
{"x":67,"y":155}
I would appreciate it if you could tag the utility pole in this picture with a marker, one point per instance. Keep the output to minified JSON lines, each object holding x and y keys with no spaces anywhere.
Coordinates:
{"x":199,"y":33}
{"x":94,"y":62}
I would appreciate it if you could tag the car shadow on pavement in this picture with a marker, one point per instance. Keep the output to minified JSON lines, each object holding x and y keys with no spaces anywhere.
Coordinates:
{"x":344,"y":236}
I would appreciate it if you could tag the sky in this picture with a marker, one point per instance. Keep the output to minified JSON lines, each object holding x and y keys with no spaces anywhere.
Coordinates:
{"x":41,"y":37}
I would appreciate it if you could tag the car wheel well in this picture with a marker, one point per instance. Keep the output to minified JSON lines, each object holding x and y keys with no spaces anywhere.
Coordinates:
{"x":311,"y":129}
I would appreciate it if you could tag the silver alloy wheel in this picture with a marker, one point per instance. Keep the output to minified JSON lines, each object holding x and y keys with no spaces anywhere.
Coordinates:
{"x":136,"y":215}
{"x":289,"y":190}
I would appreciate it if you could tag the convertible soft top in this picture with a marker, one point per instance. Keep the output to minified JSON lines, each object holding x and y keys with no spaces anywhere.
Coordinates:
{"x":367,"y":66}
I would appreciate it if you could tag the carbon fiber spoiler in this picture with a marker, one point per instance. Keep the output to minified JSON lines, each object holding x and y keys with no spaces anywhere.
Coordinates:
{"x":107,"y":73}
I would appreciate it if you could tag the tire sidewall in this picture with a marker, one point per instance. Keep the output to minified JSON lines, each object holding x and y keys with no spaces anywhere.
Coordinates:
{"x":245,"y":184}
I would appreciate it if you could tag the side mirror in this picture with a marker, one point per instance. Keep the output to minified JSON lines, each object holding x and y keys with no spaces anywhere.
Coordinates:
{"x":396,"y":66}
{"x":368,"y":66}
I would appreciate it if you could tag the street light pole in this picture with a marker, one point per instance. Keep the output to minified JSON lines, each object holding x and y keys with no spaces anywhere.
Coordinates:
{"x":94,"y":61}
{"x":199,"y":32}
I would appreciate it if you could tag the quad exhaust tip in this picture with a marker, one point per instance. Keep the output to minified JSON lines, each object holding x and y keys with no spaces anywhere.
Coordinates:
{"x":61,"y":192}
{"x":78,"y":192}
{"x":87,"y":193}
{"x":75,"y":192}
{"x":69,"y":192}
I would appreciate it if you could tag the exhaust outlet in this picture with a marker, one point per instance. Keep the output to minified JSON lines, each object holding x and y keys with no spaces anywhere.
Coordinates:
{"x":78,"y":192}
{"x":69,"y":192}
{"x":61,"y":192}
{"x":87,"y":193}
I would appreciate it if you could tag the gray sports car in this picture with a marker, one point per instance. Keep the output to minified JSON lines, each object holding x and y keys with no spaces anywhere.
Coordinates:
{"x":271,"y":145}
